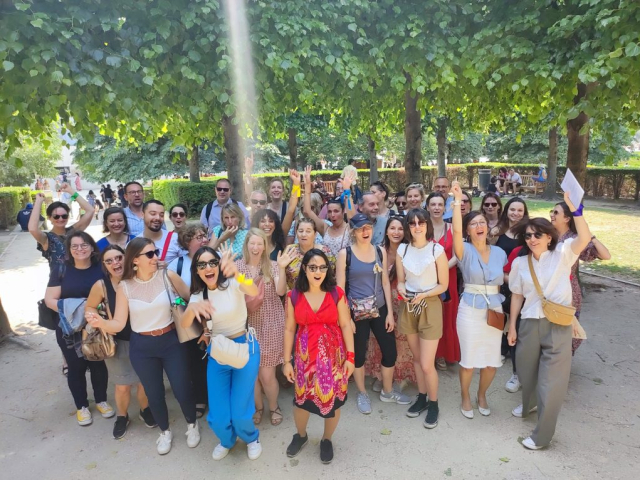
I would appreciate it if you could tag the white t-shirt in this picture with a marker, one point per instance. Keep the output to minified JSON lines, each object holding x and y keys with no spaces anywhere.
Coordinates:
{"x":173,"y":251}
{"x":516,"y":178}
{"x":185,"y":274}
{"x":419,"y":265}
{"x":230,"y":316}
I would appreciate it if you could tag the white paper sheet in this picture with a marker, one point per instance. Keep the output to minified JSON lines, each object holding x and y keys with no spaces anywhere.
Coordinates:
{"x":571,"y":185}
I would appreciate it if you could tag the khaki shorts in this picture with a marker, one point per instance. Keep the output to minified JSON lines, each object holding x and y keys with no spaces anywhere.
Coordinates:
{"x":428,"y":325}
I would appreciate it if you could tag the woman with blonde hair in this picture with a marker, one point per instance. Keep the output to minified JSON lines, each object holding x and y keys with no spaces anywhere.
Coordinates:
{"x":415,"y":196}
{"x":266,"y":317}
{"x":232,"y":229}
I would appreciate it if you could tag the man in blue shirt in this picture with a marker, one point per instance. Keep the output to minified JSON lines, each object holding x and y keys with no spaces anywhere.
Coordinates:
{"x":134,"y":194}
{"x":441,"y":185}
{"x":210,"y":216}
{"x":24,"y":215}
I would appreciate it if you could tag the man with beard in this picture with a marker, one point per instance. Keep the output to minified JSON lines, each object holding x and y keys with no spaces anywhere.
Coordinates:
{"x":370,"y":206}
{"x":166,"y":242}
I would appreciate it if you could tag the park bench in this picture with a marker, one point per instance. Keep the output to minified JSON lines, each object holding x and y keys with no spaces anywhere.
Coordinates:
{"x":531,"y":185}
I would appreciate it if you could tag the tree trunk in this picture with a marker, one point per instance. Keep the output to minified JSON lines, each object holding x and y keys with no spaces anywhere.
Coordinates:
{"x":293,"y":148}
{"x":373,"y":160}
{"x":233,"y":157}
{"x":552,"y":165}
{"x":578,"y":149}
{"x":412,"y":137}
{"x":442,"y":146}
{"x":194,"y":164}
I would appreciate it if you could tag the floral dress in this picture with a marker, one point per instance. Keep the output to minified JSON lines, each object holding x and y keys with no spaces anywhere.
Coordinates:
{"x":56,"y":252}
{"x":293,"y":269}
{"x":320,"y":353}
{"x":268,"y":320}
{"x":589,"y":254}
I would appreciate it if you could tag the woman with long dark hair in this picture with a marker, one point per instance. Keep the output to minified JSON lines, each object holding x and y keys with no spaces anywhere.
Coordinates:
{"x":544,"y":340}
{"x":114,"y":224}
{"x":324,"y":352}
{"x":503,"y":234}
{"x":269,"y":222}
{"x":491,"y":208}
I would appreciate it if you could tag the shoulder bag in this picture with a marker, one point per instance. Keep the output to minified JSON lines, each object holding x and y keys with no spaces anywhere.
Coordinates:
{"x":554,"y":312}
{"x":47,"y":317}
{"x":177,"y":311}
{"x":365,"y":308}
{"x":495,"y":319}
{"x":96,"y":343}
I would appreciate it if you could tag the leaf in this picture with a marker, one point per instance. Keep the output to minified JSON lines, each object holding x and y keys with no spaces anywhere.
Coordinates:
{"x":37,"y":23}
{"x":7,"y":65}
{"x":632,"y":50}
{"x":504,"y":459}
{"x":113,"y":61}
{"x":330,"y":59}
{"x":22,"y":6}
{"x":148,"y":80}
{"x":352,"y":27}
{"x":57,"y":76}
{"x":385,"y":431}
{"x":616,"y":53}
{"x":195,"y":56}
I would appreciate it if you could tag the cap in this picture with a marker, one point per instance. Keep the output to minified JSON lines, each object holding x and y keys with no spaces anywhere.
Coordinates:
{"x":29,"y":206}
{"x":359,"y":220}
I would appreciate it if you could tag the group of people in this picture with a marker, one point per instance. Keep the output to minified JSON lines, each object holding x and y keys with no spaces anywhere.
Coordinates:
{"x":301,"y":285}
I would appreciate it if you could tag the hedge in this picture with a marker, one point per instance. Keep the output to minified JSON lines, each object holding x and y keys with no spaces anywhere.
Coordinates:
{"x":12,"y":200}
{"x":194,"y":195}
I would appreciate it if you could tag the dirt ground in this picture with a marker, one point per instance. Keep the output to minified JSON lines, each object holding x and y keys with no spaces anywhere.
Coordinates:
{"x":597,"y":436}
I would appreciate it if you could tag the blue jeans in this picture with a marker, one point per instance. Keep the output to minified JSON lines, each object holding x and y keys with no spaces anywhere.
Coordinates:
{"x":231,"y":402}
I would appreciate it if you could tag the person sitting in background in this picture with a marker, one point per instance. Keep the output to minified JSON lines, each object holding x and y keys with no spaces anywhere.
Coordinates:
{"x":502,"y":179}
{"x":514,"y":180}
{"x":493,"y":185}
{"x":23,"y":217}
{"x":542,"y":174}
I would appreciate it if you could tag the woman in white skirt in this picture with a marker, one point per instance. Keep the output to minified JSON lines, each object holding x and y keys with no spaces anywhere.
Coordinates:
{"x":482,"y":270}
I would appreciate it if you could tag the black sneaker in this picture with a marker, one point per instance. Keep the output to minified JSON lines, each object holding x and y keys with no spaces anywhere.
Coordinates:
{"x":431,"y":421}
{"x":147,"y":417}
{"x":296,"y":445}
{"x":326,"y":451}
{"x":120,"y":427}
{"x":419,"y":406}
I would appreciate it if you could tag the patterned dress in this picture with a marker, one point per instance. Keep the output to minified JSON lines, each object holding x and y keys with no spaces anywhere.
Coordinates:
{"x":320,"y":353}
{"x":293,"y":269}
{"x":404,"y":361}
{"x":238,"y":241}
{"x":268,"y":320}
{"x":589,"y":254}
{"x":56,"y":253}
{"x":449,"y":345}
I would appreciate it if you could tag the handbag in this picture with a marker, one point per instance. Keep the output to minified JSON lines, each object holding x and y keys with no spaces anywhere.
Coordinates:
{"x":47,"y":318}
{"x":554,"y":312}
{"x":96,"y":343}
{"x":227,"y":352}
{"x":495,"y":319}
{"x":177,"y":311}
{"x":254,"y":303}
{"x":364,"y":308}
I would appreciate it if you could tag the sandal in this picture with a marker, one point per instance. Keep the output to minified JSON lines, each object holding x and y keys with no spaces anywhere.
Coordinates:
{"x":257,"y":417}
{"x":276,"y":416}
{"x":200,"y":409}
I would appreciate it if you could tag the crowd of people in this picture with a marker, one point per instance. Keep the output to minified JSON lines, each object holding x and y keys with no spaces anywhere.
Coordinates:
{"x":288,"y":292}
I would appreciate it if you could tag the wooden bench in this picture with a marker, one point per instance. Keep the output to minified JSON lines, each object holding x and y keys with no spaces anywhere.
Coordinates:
{"x":531,"y":185}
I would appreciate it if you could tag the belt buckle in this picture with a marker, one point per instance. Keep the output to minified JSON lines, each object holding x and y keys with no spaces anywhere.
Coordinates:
{"x":156,"y":330}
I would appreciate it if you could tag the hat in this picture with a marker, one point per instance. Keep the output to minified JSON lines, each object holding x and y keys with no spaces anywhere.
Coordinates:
{"x":29,"y":206}
{"x":359,"y":220}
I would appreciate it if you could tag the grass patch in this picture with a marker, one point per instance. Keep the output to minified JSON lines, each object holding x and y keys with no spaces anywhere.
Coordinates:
{"x":619,"y":230}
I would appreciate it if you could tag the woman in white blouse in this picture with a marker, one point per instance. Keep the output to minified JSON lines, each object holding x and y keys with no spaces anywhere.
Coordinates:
{"x":543,"y":352}
{"x":423,"y":274}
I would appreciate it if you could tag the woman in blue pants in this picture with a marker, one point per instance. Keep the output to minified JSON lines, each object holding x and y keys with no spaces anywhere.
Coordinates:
{"x":217,"y":291}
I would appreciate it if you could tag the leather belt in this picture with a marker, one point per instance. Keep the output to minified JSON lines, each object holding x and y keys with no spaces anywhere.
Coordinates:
{"x":160,"y":331}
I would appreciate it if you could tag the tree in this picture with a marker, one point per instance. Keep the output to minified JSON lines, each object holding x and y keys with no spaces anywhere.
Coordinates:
{"x":35,"y":158}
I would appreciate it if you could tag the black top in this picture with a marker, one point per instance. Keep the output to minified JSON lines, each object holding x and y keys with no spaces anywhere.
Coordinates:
{"x":75,"y":283}
{"x":108,"y":193}
{"x":125,"y":333}
{"x":507,"y":243}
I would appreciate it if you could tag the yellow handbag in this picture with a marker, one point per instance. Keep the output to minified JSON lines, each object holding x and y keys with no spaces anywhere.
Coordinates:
{"x":555,"y":312}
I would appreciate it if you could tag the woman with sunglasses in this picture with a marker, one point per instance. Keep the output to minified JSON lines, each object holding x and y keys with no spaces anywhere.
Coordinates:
{"x":232,"y":229}
{"x":267,"y":319}
{"x":69,"y":285}
{"x":178,"y":215}
{"x":191,"y":237}
{"x":318,"y":326}
{"x":449,"y":346}
{"x":120,"y":369}
{"x":114,"y":224}
{"x":543,"y":347}
{"x":467,"y":203}
{"x":565,"y":225}
{"x":52,"y":243}
{"x":218,"y":293}
{"x":144,"y":300}
{"x":423,"y":274}
{"x":415,"y":197}
{"x":403,"y":371}
{"x":491,"y":208}
{"x":401,"y":203}
{"x":482,"y":266}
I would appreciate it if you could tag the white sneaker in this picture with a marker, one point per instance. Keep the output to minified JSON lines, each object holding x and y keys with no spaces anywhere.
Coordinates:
{"x":513,"y":384}
{"x":193,"y":435}
{"x":105,"y":409}
{"x":395,"y":396}
{"x":528,"y":443}
{"x":84,"y":417}
{"x":377,"y":386}
{"x":220,"y":452}
{"x":517,"y":412}
{"x":254,"y":449}
{"x":164,"y":442}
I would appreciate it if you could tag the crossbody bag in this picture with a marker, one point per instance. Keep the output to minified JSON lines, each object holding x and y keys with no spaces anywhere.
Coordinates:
{"x":364,"y":308}
{"x":554,"y":312}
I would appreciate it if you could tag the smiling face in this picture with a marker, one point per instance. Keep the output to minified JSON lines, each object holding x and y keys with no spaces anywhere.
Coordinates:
{"x":306,"y":235}
{"x":113,"y":262}
{"x":143,"y":262}
{"x":558,"y":219}
{"x":335,"y":214}
{"x":267,"y":225}
{"x":395,"y":231}
{"x":537,"y":242}
{"x":80,"y":250}
{"x":515,"y":212}
{"x":178,"y":217}
{"x":441,"y":185}
{"x":401,"y":203}
{"x":477,"y":229}
{"x":316,"y":277}
{"x":256,"y":246}
{"x":363,"y":234}
{"x":199,"y":240}
{"x":370,"y":206}
{"x":414,"y":199}
{"x":154,"y":217}
{"x":62,"y":217}
{"x":258,"y":200}
{"x":418,"y":229}
{"x":115,"y":223}
{"x":276,"y":190}
{"x":490,"y":206}
{"x":465,"y":207}
{"x":436,"y":207}
{"x":208,"y":269}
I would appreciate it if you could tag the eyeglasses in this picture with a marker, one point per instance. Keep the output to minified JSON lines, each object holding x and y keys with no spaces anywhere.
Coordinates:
{"x":553,"y":213}
{"x":401,"y":203}
{"x":64,"y":216}
{"x":419,"y":224}
{"x":80,"y":246}
{"x":316,"y":268}
{"x":258,"y":202}
{"x":135,"y":192}
{"x":211,"y":263}
{"x":528,"y":235}
{"x":477,"y":224}
{"x":178,"y":214}
{"x":487,"y":204}
{"x":116,"y":259}
{"x":223,"y":189}
{"x":200,"y":237}
{"x":150,"y":254}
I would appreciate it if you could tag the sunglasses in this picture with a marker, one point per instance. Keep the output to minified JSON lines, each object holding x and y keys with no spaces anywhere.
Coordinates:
{"x":258,"y":202}
{"x":528,"y":235}
{"x":80,"y":246}
{"x":178,"y":214}
{"x":116,"y":259}
{"x":64,"y":216}
{"x":211,"y":263}
{"x":150,"y":254}
{"x":419,"y":224}
{"x":316,"y":268}
{"x":401,"y":203}
{"x":222,"y":189}
{"x":553,"y":213}
{"x":487,"y":204}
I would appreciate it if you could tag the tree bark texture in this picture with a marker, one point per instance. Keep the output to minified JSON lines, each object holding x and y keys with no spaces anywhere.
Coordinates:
{"x":412,"y":138}
{"x":441,"y":139}
{"x":578,"y":149}
{"x":233,"y":157}
{"x":194,"y":164}
{"x":552,"y":165}
{"x":293,"y":148}
{"x":373,"y":160}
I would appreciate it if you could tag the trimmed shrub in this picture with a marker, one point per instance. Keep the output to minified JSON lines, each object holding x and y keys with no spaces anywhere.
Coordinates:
{"x":48,"y":200}
{"x":194,"y":195}
{"x":12,"y":200}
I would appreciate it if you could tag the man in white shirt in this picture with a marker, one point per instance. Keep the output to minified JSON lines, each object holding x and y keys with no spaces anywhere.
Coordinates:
{"x":134,"y":195}
{"x":515,"y":180}
{"x":210,"y":216}
{"x":166,"y":242}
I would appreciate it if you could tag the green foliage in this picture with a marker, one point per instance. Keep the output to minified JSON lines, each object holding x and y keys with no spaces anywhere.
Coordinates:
{"x":194,"y":195}
{"x":12,"y":200}
{"x":36,"y":157}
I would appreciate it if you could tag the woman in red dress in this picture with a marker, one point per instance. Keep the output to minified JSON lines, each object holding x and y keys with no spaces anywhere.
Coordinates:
{"x":449,"y":346}
{"x":324,"y":354}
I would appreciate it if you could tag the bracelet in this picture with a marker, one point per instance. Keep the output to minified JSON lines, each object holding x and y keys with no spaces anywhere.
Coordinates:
{"x":351,"y":357}
{"x":243,"y":280}
{"x":295,"y":190}
{"x":74,"y":196}
{"x":578,"y":212}
{"x":347,"y":194}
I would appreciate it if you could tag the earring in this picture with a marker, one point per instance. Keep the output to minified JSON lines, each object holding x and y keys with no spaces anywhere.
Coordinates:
{"x":548,"y":244}
{"x":135,"y":268}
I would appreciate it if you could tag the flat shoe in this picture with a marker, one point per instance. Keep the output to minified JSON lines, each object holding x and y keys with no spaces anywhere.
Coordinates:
{"x":467,"y":413}
{"x":483,"y":411}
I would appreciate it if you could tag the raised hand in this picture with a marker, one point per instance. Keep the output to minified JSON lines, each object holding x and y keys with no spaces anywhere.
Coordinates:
{"x":307,"y":175}
{"x":294,"y":176}
{"x":456,"y":190}
{"x":348,"y":180}
{"x":66,"y":187}
{"x":227,"y":265}
{"x":569,"y":203}
{"x":286,"y":257}
{"x":249,"y":163}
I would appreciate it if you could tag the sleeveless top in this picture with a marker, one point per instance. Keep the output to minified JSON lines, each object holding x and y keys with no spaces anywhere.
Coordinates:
{"x":507,"y":243}
{"x":149,"y":307}
{"x":361,"y":279}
